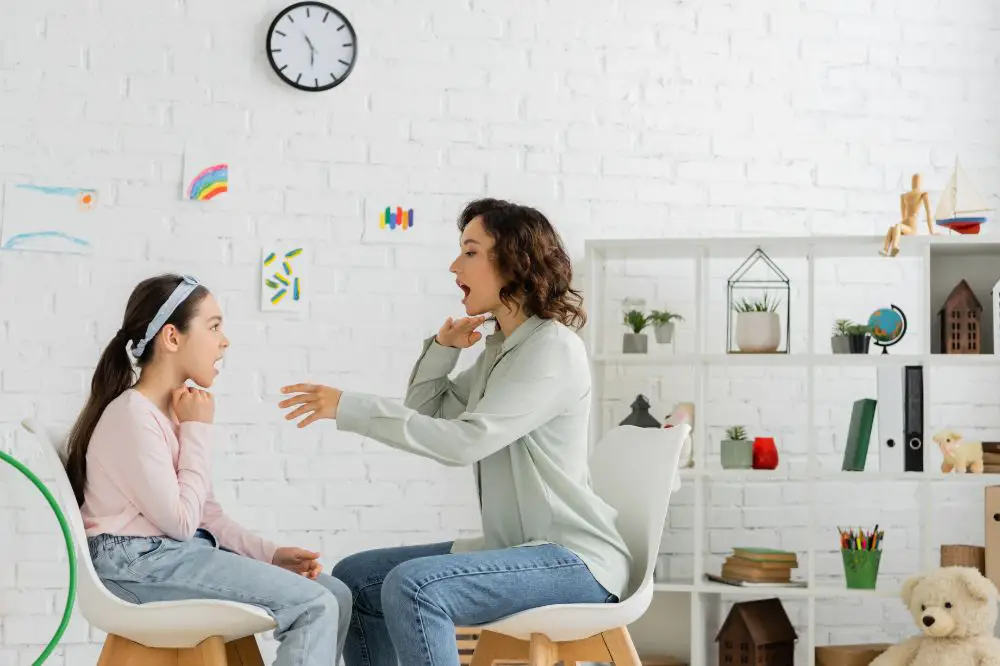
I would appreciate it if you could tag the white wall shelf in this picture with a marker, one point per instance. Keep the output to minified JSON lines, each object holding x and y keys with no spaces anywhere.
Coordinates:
{"x":705,"y":598}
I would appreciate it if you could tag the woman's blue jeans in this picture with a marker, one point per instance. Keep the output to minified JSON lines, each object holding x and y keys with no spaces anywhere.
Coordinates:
{"x":408,"y":601}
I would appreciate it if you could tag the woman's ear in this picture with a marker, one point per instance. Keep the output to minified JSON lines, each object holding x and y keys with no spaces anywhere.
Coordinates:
{"x":171,"y":337}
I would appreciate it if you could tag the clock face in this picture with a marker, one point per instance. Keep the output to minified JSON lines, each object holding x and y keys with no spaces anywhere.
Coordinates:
{"x":312,"y":46}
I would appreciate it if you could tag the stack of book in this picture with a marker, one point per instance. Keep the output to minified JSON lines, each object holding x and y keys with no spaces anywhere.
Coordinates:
{"x":760,"y":565}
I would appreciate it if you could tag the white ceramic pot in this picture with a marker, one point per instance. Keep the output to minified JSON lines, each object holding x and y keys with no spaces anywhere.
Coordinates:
{"x":664,"y":332}
{"x":758,"y":331}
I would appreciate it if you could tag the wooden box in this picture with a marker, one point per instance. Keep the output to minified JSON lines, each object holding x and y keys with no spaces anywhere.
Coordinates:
{"x":961,"y":555}
{"x":992,"y":533}
{"x":849,"y":655}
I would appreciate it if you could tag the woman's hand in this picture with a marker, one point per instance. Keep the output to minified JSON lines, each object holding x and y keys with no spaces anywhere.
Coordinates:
{"x":191,"y":404}
{"x":298,"y":560}
{"x":461,"y":333}
{"x":322,"y":401}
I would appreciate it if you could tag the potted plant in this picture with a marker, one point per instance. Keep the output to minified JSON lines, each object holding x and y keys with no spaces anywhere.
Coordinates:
{"x":663,"y":324}
{"x":839,"y":336}
{"x":758,"y":325}
{"x":636,"y":341}
{"x":858,"y":338}
{"x":737,"y":450}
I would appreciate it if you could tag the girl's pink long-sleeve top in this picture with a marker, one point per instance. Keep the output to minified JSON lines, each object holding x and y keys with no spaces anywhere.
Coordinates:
{"x":148,"y":475}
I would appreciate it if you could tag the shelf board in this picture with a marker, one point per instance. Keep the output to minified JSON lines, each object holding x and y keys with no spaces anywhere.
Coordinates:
{"x":829,"y":591}
{"x":871,"y":476}
{"x":730,"y":247}
{"x":802,"y":360}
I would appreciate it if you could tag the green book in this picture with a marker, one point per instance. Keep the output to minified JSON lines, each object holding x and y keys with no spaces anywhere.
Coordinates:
{"x":858,"y":435}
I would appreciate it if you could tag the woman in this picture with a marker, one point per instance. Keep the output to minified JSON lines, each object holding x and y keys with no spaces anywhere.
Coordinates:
{"x":519,"y":416}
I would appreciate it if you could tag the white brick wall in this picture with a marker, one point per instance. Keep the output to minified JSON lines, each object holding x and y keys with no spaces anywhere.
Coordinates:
{"x":636,"y":118}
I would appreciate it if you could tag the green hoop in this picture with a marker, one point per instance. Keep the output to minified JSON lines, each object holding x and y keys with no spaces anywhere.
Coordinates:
{"x":70,"y":550}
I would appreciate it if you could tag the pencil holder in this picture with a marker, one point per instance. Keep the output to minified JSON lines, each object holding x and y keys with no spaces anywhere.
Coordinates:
{"x":861,"y":568}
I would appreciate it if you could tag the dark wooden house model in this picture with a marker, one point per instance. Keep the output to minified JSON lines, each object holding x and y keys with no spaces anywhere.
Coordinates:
{"x":961,"y":321}
{"x":757,"y":633}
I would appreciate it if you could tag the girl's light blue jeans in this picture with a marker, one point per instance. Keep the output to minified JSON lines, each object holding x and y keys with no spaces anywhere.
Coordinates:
{"x":312,"y":617}
{"x":408,"y":601}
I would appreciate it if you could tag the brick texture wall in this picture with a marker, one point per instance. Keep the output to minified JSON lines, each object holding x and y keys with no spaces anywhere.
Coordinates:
{"x":619,"y":119}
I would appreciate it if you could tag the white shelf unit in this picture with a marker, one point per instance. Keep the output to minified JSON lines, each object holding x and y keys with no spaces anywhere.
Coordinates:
{"x":705,"y":597}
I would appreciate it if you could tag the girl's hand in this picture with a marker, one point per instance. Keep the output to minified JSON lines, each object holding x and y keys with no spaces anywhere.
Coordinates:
{"x":298,"y":560}
{"x":461,"y":333}
{"x":322,"y":401}
{"x":191,"y":404}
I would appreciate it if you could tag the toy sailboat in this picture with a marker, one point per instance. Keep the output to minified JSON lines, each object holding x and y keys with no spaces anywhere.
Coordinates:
{"x":961,"y":208}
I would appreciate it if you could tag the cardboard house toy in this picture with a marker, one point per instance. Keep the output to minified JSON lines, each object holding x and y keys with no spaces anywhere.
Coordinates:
{"x":961,"y":321}
{"x":757,"y":632}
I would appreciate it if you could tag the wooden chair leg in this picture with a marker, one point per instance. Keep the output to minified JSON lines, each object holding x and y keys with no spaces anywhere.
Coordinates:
{"x":244,"y":652}
{"x":118,"y":651}
{"x":542,"y":652}
{"x":623,"y":652}
{"x":210,"y":652}
{"x":493,"y":647}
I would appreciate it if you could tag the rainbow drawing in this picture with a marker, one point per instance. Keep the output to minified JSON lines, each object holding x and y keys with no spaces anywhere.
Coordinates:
{"x":400,"y":218}
{"x":209,"y":183}
{"x":282,"y":279}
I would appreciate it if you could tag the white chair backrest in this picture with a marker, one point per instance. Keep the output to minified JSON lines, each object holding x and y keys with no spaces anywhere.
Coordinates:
{"x":93,"y":599}
{"x":634,"y":470}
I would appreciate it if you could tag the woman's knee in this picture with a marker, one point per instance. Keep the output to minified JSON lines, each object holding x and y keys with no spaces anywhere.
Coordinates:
{"x":358,"y":570}
{"x":403,"y":585}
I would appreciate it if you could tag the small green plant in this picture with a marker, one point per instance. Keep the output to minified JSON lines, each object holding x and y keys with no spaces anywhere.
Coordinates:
{"x":636,"y":320}
{"x":858,"y":329}
{"x":661,"y":317}
{"x":843,"y":327}
{"x":737,"y":433}
{"x":765,"y":304}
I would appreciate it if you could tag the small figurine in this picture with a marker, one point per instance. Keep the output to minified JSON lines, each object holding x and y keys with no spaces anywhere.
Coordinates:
{"x":959,"y":455}
{"x":909,"y":205}
{"x":640,"y":415}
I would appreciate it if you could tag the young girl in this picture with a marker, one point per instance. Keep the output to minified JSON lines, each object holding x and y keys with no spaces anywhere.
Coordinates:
{"x":519,"y":416}
{"x":140,"y":465}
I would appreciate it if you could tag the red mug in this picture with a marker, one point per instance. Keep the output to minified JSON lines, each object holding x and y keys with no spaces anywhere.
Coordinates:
{"x":765,"y":453}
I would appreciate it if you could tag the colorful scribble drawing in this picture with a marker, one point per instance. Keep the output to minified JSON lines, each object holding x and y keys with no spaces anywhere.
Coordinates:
{"x":44,"y":218}
{"x":209,"y":183}
{"x":284,"y":282}
{"x":398,"y":219}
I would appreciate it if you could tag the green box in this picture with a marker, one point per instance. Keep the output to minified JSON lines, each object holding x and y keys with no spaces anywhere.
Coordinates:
{"x":861,"y":568}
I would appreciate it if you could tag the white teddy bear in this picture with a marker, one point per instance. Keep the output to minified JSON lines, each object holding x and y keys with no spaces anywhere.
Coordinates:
{"x":956,"y":609}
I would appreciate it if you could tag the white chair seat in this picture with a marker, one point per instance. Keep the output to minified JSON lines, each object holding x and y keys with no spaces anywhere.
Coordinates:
{"x":635,"y":470}
{"x":164,"y":624}
{"x":572,"y":622}
{"x":185,"y":624}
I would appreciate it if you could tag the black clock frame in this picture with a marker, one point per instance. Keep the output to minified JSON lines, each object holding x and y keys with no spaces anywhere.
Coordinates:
{"x":322,"y":6}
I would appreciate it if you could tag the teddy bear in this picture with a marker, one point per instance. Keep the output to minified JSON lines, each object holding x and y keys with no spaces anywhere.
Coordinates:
{"x":959,"y":455}
{"x":955,"y":608}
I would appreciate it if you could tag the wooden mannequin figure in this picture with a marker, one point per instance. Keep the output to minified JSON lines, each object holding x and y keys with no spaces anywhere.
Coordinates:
{"x":909,"y":205}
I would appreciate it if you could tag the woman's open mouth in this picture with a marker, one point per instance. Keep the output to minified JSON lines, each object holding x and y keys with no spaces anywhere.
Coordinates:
{"x":464,"y":289}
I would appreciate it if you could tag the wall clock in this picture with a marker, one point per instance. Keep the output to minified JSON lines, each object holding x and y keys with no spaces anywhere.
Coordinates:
{"x":312,"y":46}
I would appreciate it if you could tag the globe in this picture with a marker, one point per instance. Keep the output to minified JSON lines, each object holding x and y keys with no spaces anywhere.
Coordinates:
{"x":888,"y":326}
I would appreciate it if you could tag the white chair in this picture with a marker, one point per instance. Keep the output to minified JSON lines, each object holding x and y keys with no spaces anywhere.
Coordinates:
{"x":635,"y":470}
{"x":200,"y":632}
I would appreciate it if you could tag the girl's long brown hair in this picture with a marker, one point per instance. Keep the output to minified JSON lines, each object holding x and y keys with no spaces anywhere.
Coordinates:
{"x":114,"y":375}
{"x":530,"y":256}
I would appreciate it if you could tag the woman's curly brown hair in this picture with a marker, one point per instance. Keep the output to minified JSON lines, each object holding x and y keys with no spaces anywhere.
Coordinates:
{"x":530,"y":257}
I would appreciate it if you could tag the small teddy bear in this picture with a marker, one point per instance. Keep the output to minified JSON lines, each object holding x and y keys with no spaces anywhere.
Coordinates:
{"x":956,"y":610}
{"x":959,"y":455}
